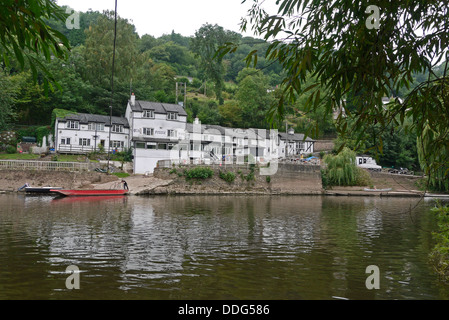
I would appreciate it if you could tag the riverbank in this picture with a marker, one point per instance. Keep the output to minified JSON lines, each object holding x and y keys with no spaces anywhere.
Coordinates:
{"x":288,"y":180}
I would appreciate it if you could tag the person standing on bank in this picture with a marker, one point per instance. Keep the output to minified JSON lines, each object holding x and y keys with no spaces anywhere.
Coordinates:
{"x":125,"y":185}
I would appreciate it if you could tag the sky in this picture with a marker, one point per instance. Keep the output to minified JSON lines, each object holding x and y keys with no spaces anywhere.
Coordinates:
{"x":158,"y":17}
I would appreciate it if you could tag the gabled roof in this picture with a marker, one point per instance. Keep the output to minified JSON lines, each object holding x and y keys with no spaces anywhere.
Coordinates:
{"x":157,"y":107}
{"x":294,"y":137}
{"x":86,"y":118}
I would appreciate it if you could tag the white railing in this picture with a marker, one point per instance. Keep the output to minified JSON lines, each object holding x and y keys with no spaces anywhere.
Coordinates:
{"x":75,"y":149}
{"x":43,"y":165}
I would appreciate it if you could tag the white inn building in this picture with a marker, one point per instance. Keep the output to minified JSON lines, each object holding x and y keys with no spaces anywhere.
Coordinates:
{"x":84,"y":133}
{"x":159,"y":131}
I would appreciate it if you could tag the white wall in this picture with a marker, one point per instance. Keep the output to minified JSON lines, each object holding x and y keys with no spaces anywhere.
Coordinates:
{"x":75,"y":134}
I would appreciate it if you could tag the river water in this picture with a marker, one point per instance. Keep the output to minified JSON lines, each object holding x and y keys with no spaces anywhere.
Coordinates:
{"x":216,"y":247}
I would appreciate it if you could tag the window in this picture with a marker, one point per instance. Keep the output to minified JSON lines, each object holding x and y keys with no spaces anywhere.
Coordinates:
{"x":170,"y":146}
{"x":172,"y":133}
{"x":117,"y":128}
{"x":172,"y":116}
{"x":84,"y":142}
{"x":148,"y":131}
{"x":300,"y":146}
{"x":96,"y":126}
{"x":151,"y":145}
{"x":140,"y":145}
{"x":117,"y":144}
{"x":65,"y":141}
{"x":162,"y":146}
{"x":73,"y":124}
{"x":148,"y":114}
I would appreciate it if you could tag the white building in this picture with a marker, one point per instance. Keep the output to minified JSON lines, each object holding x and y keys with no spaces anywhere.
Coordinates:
{"x":159,"y":131}
{"x":293,"y":144}
{"x":155,"y":129}
{"x":84,"y":133}
{"x":367,"y":162}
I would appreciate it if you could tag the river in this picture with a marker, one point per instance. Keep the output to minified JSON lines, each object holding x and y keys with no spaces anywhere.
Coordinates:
{"x":216,"y":247}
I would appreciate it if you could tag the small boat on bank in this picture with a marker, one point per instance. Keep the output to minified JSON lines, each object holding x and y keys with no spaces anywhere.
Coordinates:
{"x":437,"y":195}
{"x":378,"y":190}
{"x":41,"y":189}
{"x":90,"y":192}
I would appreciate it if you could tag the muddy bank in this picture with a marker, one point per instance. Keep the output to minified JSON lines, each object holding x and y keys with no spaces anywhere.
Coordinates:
{"x":301,"y":181}
{"x":11,"y":180}
{"x":288,"y":180}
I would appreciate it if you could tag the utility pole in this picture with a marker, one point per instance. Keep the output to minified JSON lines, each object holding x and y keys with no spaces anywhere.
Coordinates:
{"x":185,"y":92}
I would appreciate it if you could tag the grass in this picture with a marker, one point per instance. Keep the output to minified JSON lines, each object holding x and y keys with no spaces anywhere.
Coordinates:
{"x":19,"y":156}
{"x":121,"y":174}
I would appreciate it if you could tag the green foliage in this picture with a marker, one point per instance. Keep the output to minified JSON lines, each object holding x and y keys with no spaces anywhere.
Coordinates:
{"x":25,"y":35}
{"x":121,"y":174}
{"x":42,"y":132}
{"x":331,"y":42}
{"x":433,"y":161}
{"x":198,"y":173}
{"x":251,"y":174}
{"x":228,"y":176}
{"x":11,"y":149}
{"x":341,"y":170}
{"x":440,"y":253}
{"x":7,"y":97}
{"x":208,"y":39}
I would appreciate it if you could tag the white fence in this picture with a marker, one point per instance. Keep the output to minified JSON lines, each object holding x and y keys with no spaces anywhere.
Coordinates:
{"x":43,"y":165}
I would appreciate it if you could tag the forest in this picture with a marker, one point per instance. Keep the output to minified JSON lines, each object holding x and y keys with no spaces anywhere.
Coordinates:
{"x":221,"y":89}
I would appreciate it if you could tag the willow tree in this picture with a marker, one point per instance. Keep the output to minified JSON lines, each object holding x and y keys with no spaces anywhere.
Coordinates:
{"x":26,"y":36}
{"x":341,"y":169}
{"x":434,"y":163}
{"x":370,"y":51}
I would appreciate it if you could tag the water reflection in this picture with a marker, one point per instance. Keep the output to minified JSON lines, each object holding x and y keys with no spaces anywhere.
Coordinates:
{"x":225,"y":247}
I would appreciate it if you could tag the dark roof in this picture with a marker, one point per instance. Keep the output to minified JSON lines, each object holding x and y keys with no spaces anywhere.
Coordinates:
{"x":87,"y":118}
{"x":294,"y":137}
{"x":157,"y":107}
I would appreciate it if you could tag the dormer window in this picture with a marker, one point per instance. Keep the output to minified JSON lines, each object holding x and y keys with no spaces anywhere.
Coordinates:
{"x":73,"y":124}
{"x":96,"y":126}
{"x":172,"y":116}
{"x":148,"y":114}
{"x":117,"y":128}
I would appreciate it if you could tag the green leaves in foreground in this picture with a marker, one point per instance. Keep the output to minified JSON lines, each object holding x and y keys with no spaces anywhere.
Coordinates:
{"x":24,"y":35}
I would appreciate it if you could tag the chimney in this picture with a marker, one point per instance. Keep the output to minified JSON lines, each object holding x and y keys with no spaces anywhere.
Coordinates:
{"x":291,"y":131}
{"x":133,"y":99}
{"x":197,"y":121}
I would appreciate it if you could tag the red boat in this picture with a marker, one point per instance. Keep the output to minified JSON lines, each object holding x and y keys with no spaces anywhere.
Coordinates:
{"x":91,"y":192}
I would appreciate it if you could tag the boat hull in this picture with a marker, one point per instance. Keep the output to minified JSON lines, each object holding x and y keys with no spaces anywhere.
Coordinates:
{"x":90,"y":192}
{"x":41,"y":190}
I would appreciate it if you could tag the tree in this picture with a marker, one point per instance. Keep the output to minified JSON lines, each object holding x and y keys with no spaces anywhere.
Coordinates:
{"x":98,"y":54}
{"x":208,"y":39}
{"x":99,"y":50}
{"x":345,"y":50}
{"x":253,"y":98}
{"x":25,"y":35}
{"x":7,"y":96}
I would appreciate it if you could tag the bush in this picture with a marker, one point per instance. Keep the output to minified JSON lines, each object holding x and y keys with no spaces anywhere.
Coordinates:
{"x":198,"y":173}
{"x":440,"y":253}
{"x":363,"y":178}
{"x":228,"y":176}
{"x":11,"y":149}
